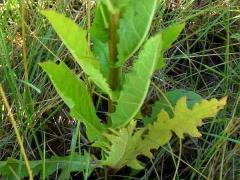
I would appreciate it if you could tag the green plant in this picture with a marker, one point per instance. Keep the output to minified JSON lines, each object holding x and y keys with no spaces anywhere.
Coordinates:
{"x":118,"y":32}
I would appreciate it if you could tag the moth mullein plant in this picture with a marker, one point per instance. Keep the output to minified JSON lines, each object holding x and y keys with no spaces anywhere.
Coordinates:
{"x":119,"y":31}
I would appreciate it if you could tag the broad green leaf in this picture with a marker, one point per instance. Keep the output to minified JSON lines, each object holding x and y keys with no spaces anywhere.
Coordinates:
{"x":169,"y":35}
{"x":128,"y":143}
{"x":134,"y":25}
{"x":99,"y":36}
{"x":169,"y":100}
{"x":79,"y":163}
{"x":137,"y":83}
{"x":75,"y":94}
{"x":75,"y":40}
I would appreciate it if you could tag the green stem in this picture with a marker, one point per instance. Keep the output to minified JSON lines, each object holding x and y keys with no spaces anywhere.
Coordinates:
{"x":114,"y":72}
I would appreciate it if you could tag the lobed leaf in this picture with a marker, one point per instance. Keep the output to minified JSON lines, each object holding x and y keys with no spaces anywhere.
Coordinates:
{"x":75,"y":94}
{"x":75,"y":40}
{"x":137,"y":82}
{"x":185,"y":120}
{"x":169,"y":100}
{"x":134,"y":25}
{"x":79,"y":163}
{"x":126,"y":144}
{"x":123,"y":147}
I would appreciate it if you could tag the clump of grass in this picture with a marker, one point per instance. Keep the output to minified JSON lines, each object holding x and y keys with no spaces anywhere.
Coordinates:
{"x":204,"y":59}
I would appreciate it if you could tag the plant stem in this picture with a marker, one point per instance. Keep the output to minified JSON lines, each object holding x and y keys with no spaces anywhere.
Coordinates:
{"x":114,"y":72}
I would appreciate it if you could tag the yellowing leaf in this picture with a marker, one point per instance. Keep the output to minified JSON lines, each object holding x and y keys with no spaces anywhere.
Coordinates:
{"x":126,"y":144}
{"x":123,"y":147}
{"x":186,"y":121}
{"x":169,"y":100}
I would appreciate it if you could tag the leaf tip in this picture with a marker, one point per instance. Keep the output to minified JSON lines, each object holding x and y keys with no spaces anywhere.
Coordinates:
{"x":46,"y":13}
{"x":223,"y":101}
{"x":182,"y":25}
{"x":47,"y":65}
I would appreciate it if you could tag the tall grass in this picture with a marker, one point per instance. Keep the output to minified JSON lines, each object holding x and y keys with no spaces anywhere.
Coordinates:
{"x":205,"y":59}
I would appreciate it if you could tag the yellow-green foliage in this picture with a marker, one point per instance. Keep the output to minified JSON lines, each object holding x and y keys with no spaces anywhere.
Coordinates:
{"x":126,"y":144}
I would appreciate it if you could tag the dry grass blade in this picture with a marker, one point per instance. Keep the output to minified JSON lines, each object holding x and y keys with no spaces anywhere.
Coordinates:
{"x":14,"y":124}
